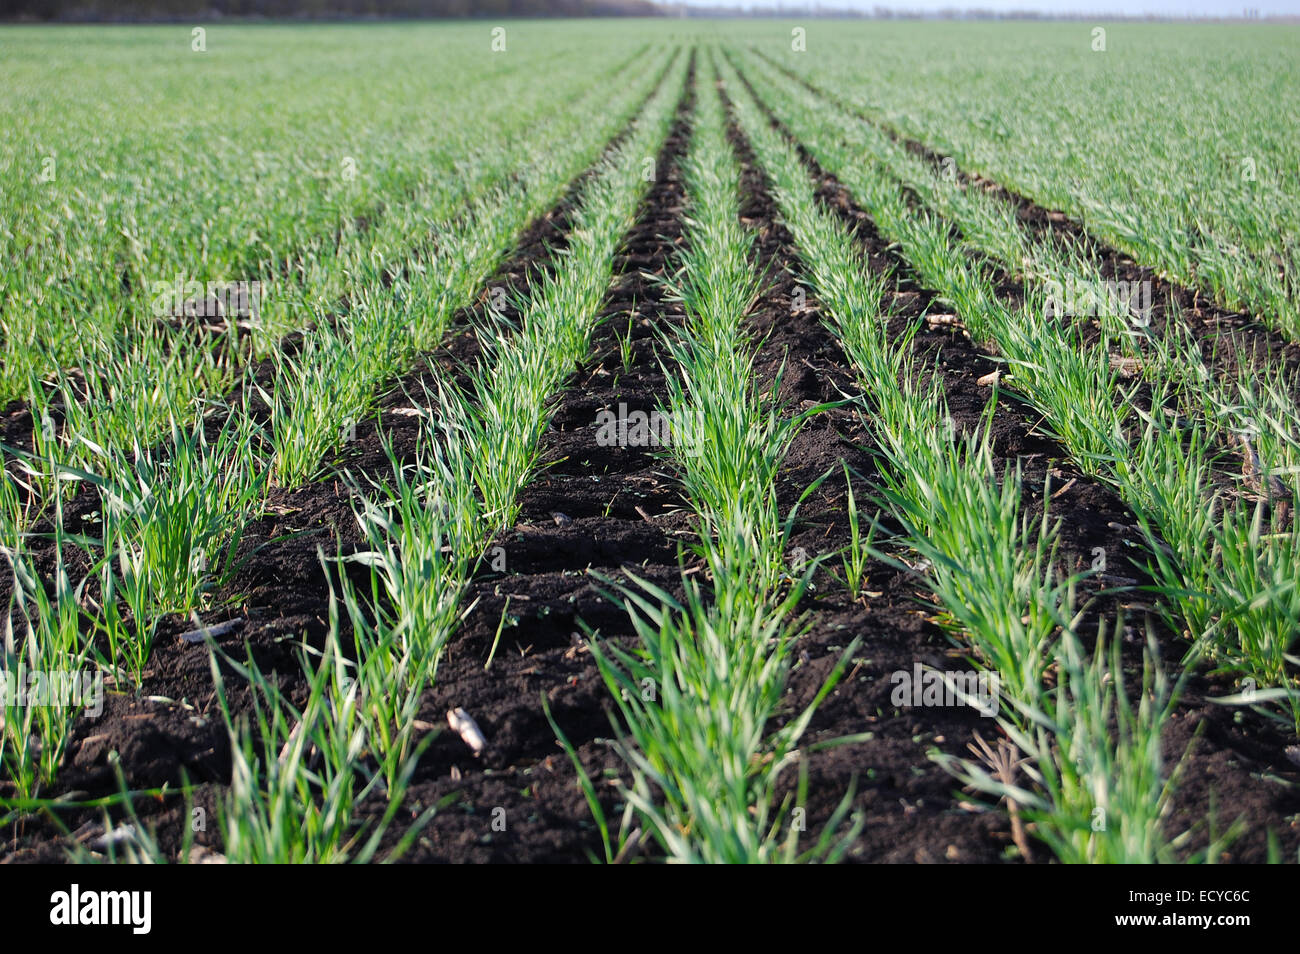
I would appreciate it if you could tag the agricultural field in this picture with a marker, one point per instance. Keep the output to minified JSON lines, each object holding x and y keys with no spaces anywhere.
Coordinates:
{"x":634,"y":441}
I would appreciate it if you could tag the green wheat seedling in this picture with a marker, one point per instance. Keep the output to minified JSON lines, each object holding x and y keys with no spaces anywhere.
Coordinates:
{"x":1259,"y":404}
{"x":171,"y":521}
{"x":857,"y":553}
{"x":1086,"y":768}
{"x":503,"y":416}
{"x":735,"y":438}
{"x":988,"y":224}
{"x":625,"y":344}
{"x":134,"y":377}
{"x":697,"y":698}
{"x":698,"y":695}
{"x":130,"y":392}
{"x":1215,"y":558}
{"x":318,"y":393}
{"x":173,"y":514}
{"x":738,"y":441}
{"x":420,"y":530}
{"x":1224,"y":562}
{"x":315,"y":393}
{"x":396,"y":661}
{"x":1253,"y":578}
{"x":392,"y":677}
{"x":299,"y":776}
{"x":1074,"y":385}
{"x":514,"y":383}
{"x":1228,"y":562}
{"x":424,"y":531}
{"x":42,"y":634}
{"x":990,"y":569}
{"x":13,"y":518}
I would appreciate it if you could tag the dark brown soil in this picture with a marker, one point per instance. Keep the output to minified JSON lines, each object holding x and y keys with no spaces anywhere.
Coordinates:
{"x":593,"y":512}
{"x":905,"y":799}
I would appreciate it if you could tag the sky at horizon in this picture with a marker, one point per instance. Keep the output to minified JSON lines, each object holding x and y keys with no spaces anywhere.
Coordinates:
{"x":1166,"y":8}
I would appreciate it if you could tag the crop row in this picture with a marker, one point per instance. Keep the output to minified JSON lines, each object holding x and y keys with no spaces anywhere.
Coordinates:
{"x":427,"y":530}
{"x":988,"y":565}
{"x":698,"y":692}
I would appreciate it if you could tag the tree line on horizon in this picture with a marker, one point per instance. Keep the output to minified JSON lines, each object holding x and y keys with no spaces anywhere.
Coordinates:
{"x":163,"y":10}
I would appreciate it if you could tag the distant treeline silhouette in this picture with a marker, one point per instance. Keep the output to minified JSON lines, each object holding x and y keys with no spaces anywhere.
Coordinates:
{"x":145,"y":10}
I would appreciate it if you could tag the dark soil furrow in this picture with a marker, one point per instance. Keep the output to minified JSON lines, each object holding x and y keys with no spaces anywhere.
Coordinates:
{"x":905,"y":799}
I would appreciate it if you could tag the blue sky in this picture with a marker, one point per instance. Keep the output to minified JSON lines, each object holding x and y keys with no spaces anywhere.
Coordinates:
{"x":1172,"y":8}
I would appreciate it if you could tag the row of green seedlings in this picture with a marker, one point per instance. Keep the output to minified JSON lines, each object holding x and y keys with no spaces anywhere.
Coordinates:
{"x":137,"y":384}
{"x":108,"y":245}
{"x":1225,"y":243}
{"x":697,"y":697}
{"x":306,"y":780}
{"x":431,"y":524}
{"x":1226,"y":561}
{"x":1082,"y":766}
{"x":187,"y":523}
